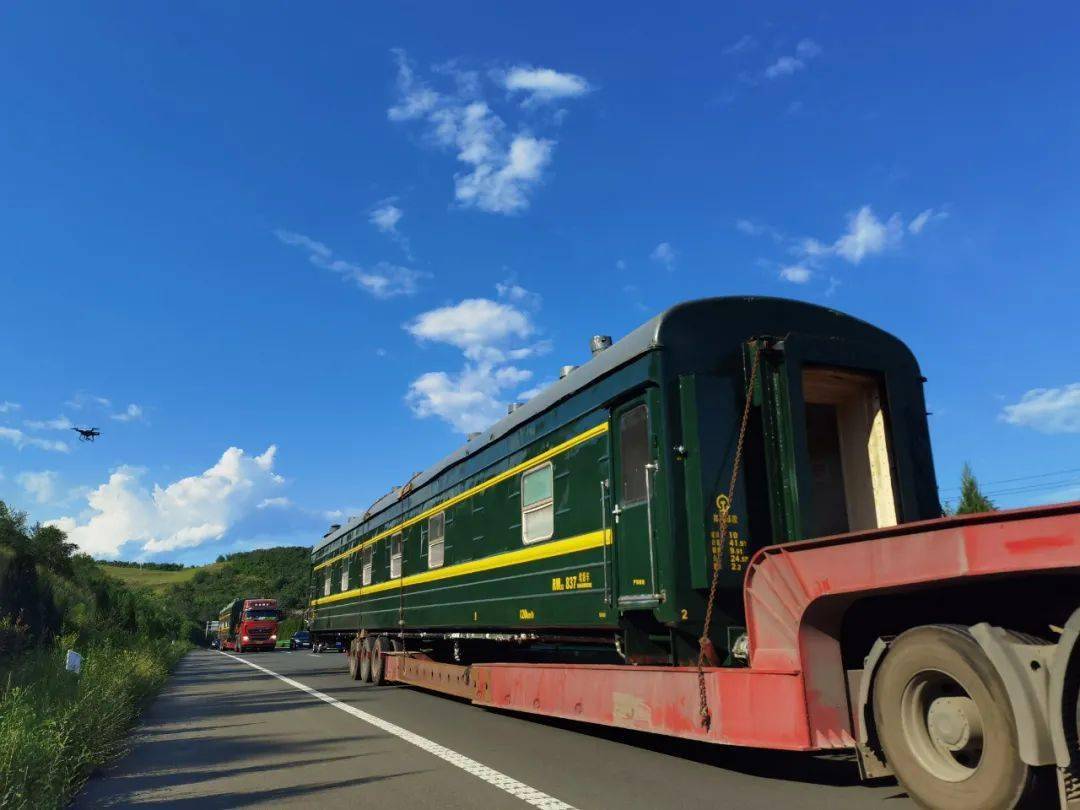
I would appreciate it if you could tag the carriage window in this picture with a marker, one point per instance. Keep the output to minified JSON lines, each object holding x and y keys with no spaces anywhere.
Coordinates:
{"x":366,"y":555}
{"x":345,"y":575}
{"x":395,"y":556}
{"x":436,"y":539}
{"x":326,"y":585}
{"x":537,"y":504}
{"x":633,"y":454}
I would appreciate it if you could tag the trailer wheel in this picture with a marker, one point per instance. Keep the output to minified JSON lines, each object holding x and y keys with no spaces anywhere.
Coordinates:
{"x":945,"y":723}
{"x":354,"y":659}
{"x":378,"y":662}
{"x":365,"y":658}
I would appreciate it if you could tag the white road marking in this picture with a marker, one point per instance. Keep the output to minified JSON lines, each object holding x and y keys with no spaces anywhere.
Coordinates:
{"x":493,"y":777}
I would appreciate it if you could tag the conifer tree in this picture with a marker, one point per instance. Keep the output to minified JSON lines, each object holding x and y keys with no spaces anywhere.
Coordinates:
{"x":971,"y":497}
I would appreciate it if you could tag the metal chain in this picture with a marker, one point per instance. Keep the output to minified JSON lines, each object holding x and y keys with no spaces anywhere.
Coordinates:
{"x":704,"y":643}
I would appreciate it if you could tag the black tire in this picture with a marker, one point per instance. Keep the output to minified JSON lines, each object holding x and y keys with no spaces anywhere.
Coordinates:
{"x":378,"y":662}
{"x":354,"y":659}
{"x":939,"y":671}
{"x":366,"y":647}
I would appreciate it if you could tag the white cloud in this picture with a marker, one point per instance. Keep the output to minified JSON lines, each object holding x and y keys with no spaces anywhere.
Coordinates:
{"x":500,"y":183}
{"x":784,"y":66}
{"x":512,"y":291}
{"x":1047,"y":410}
{"x":183,"y":514}
{"x":82,"y":399}
{"x":471,"y":324}
{"x":383,"y":280}
{"x":469,"y":400}
{"x":545,"y":84}
{"x":796,"y":273}
{"x":924,"y":218}
{"x":501,"y":169}
{"x":132,"y":413}
{"x":493,"y":336}
{"x":41,"y":486}
{"x":386,"y":217}
{"x":415,"y":99}
{"x":664,"y":254}
{"x":272,"y":502}
{"x":742,"y":44}
{"x":59,"y":423}
{"x":21,"y":440}
{"x":8,"y":407}
{"x":529,"y":393}
{"x":749,"y":228}
{"x":806,"y":50}
{"x":867,"y":235}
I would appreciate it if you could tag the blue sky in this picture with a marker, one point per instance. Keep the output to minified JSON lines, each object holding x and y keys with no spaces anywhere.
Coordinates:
{"x":285,"y":256}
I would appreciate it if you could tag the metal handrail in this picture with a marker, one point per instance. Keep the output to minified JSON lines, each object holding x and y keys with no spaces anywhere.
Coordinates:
{"x":650,"y":468}
{"x":604,"y":535}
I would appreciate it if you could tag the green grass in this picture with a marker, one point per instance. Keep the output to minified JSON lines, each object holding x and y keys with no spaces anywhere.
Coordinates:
{"x":157,"y":581}
{"x":56,"y":727}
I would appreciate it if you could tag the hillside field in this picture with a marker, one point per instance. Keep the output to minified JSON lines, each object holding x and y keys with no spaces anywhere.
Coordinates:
{"x":157,"y":581}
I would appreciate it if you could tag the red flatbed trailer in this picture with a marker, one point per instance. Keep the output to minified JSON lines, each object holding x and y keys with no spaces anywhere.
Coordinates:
{"x":801,"y":691}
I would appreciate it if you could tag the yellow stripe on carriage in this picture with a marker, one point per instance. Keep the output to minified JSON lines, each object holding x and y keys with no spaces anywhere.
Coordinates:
{"x":541,"y":551}
{"x":496,"y":479}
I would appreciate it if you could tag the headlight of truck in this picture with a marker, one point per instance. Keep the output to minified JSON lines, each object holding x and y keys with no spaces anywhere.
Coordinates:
{"x":273,"y":637}
{"x":246,"y":638}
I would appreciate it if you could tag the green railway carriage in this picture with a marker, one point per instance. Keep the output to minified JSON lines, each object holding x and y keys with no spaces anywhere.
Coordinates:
{"x":586,"y":523}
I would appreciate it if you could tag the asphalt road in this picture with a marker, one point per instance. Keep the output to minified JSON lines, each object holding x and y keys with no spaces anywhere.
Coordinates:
{"x":223,"y":734}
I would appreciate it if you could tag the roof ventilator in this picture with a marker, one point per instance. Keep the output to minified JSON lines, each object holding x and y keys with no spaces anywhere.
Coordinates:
{"x":599,"y":343}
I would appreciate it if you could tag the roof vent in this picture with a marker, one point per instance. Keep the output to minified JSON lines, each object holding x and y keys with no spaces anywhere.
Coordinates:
{"x":474,"y":435}
{"x":333,"y":528}
{"x":599,"y":343}
{"x":513,"y":406}
{"x":565,"y":370}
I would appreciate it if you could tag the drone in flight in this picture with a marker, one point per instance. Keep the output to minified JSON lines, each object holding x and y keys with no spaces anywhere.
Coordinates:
{"x":87,"y":434}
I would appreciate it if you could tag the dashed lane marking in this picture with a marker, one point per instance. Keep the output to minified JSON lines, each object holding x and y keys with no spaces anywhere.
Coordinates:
{"x":500,"y":780}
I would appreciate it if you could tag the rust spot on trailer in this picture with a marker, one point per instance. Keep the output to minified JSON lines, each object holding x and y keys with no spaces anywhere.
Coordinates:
{"x":630,"y":710}
{"x":1030,"y":544}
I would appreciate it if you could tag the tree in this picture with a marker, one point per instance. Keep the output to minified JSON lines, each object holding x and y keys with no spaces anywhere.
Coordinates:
{"x":972,"y":498}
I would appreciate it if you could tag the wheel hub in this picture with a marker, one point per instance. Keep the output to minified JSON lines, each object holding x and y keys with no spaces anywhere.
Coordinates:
{"x":954,"y":723}
{"x":943,"y":725}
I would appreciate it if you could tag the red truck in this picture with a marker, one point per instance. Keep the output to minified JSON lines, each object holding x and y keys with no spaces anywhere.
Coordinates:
{"x":248,"y":624}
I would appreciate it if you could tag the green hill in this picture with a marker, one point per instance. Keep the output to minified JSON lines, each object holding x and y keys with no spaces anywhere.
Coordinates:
{"x":281,"y":573}
{"x":154,"y":579}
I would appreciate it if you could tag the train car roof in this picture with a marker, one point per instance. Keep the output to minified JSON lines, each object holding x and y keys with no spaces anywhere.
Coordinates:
{"x":645,"y":338}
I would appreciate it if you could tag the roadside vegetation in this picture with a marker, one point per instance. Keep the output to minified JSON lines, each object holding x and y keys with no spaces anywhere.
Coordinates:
{"x":56,"y":727}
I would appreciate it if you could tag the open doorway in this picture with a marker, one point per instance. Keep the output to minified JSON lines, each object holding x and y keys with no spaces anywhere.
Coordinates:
{"x":850,"y":456}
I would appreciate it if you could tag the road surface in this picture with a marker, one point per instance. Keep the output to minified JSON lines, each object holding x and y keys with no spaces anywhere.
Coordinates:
{"x":225,"y":734}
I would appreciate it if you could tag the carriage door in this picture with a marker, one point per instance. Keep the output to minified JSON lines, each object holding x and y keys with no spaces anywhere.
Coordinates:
{"x":632,"y":511}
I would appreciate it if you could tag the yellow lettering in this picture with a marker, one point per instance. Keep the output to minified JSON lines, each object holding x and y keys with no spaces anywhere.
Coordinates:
{"x":525,"y":614}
